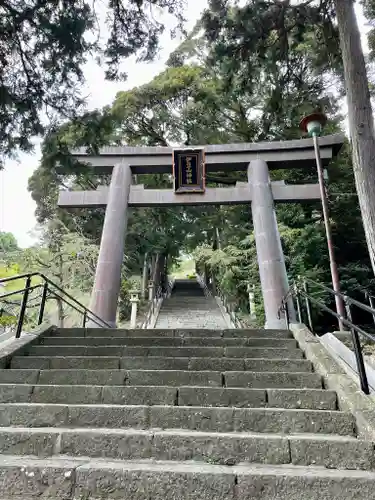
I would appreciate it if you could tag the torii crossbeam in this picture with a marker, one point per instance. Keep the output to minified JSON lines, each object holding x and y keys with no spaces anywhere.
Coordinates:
{"x":256,"y":158}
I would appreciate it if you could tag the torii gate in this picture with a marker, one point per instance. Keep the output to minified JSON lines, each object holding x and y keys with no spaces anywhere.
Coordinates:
{"x":256,"y":158}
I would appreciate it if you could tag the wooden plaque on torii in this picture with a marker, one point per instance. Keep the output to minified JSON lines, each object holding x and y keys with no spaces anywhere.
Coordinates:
{"x":188,"y":170}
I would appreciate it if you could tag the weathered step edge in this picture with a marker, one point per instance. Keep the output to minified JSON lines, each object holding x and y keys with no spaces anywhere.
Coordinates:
{"x":23,"y":477}
{"x":160,"y":363}
{"x":123,"y":351}
{"x":216,"y":448}
{"x":313,"y":399}
{"x":262,"y":420}
{"x":163,"y":332}
{"x":203,"y":378}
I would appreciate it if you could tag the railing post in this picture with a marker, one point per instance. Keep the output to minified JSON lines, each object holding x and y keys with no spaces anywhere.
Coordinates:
{"x":84,"y":321}
{"x":43,"y":303}
{"x":357,"y":350}
{"x":308,"y":306}
{"x":371,"y":302}
{"x":23,"y":307}
{"x":287,"y":318}
{"x":298,"y":302}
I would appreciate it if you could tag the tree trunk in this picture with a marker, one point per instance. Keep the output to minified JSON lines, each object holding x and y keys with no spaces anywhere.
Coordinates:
{"x":160,"y":270}
{"x":361,"y":121}
{"x":218,"y":239}
{"x":153,"y":266}
{"x":60,"y":304}
{"x":60,"y":313}
{"x":156,"y":271}
{"x":144,"y":282}
{"x":165,"y":274}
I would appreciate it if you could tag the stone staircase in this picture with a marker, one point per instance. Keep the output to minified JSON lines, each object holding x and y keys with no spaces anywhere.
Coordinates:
{"x":189,"y":306}
{"x":193,"y":414}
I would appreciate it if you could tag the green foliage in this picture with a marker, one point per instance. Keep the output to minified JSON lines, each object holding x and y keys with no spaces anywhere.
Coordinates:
{"x":234,"y":269}
{"x":127,"y":285}
{"x":7,"y":320}
{"x":369,"y":11}
{"x":44,"y":45}
{"x":67,"y":258}
{"x":8,"y":243}
{"x":246,"y":73}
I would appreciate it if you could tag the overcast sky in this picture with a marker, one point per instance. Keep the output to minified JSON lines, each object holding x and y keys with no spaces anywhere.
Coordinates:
{"x":16,"y":206}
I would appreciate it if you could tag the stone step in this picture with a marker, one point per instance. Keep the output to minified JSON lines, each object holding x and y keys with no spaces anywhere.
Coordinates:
{"x":170,"y":352}
{"x":132,"y":377}
{"x":169,"y":341}
{"x":161,"y":363}
{"x":188,"y":309}
{"x":279,"y":380}
{"x":28,"y":478}
{"x":207,"y":378}
{"x":318,"y":399}
{"x":26,"y":376}
{"x":191,"y":332}
{"x":179,"y":445}
{"x":269,"y":352}
{"x":261,"y":420}
{"x":228,"y":379}
{"x":313,"y":399}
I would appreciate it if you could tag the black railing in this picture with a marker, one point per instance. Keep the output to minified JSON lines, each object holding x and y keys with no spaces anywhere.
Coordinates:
{"x":370,"y":299}
{"x":49,"y":290}
{"x":300,"y":290}
{"x":228,"y":305}
{"x":157,"y":294}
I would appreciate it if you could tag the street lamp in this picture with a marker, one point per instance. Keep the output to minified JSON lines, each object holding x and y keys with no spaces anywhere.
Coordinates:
{"x":313,"y":125}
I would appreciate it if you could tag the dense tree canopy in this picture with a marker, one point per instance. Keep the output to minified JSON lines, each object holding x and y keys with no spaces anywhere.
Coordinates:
{"x":245,"y":73}
{"x":8,"y":242}
{"x":44,"y":44}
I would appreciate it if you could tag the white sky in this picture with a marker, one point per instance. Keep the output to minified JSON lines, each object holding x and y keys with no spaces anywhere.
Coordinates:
{"x":16,"y":206}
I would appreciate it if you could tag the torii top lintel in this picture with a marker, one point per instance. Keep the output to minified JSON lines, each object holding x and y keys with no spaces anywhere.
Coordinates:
{"x":297,"y":153}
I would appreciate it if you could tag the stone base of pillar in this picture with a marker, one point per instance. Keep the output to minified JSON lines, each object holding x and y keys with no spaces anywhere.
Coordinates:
{"x":91,"y":324}
{"x":275,"y":324}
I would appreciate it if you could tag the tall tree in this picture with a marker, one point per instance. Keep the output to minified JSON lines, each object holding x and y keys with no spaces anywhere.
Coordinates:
{"x":361,"y":118}
{"x":214,"y":92}
{"x":43,"y":46}
{"x":8,"y":243}
{"x":66,"y":257}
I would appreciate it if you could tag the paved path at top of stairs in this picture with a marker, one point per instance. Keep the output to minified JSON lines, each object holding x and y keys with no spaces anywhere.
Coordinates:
{"x":189,"y":307}
{"x":184,"y":414}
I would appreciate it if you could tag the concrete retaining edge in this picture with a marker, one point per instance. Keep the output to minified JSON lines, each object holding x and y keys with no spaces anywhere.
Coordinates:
{"x":155,"y":316}
{"x":226,"y":316}
{"x":346,"y":357}
{"x":14,"y":346}
{"x":336,"y":378}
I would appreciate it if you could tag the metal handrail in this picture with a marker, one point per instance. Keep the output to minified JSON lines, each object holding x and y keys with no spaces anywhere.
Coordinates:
{"x":159,"y":294}
{"x":228,"y":307}
{"x":345,"y":298}
{"x":30,"y":288}
{"x":300,"y":289}
{"x":63,"y":295}
{"x":226,"y":303}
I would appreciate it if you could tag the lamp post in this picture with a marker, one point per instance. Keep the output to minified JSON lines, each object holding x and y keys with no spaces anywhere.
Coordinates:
{"x":313,"y":125}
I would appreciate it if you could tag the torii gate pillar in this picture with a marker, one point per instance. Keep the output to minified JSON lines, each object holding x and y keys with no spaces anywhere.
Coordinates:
{"x":271,"y":263}
{"x":107,"y":282}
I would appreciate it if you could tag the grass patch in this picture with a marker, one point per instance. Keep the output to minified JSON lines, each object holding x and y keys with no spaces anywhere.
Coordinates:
{"x":184,"y":269}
